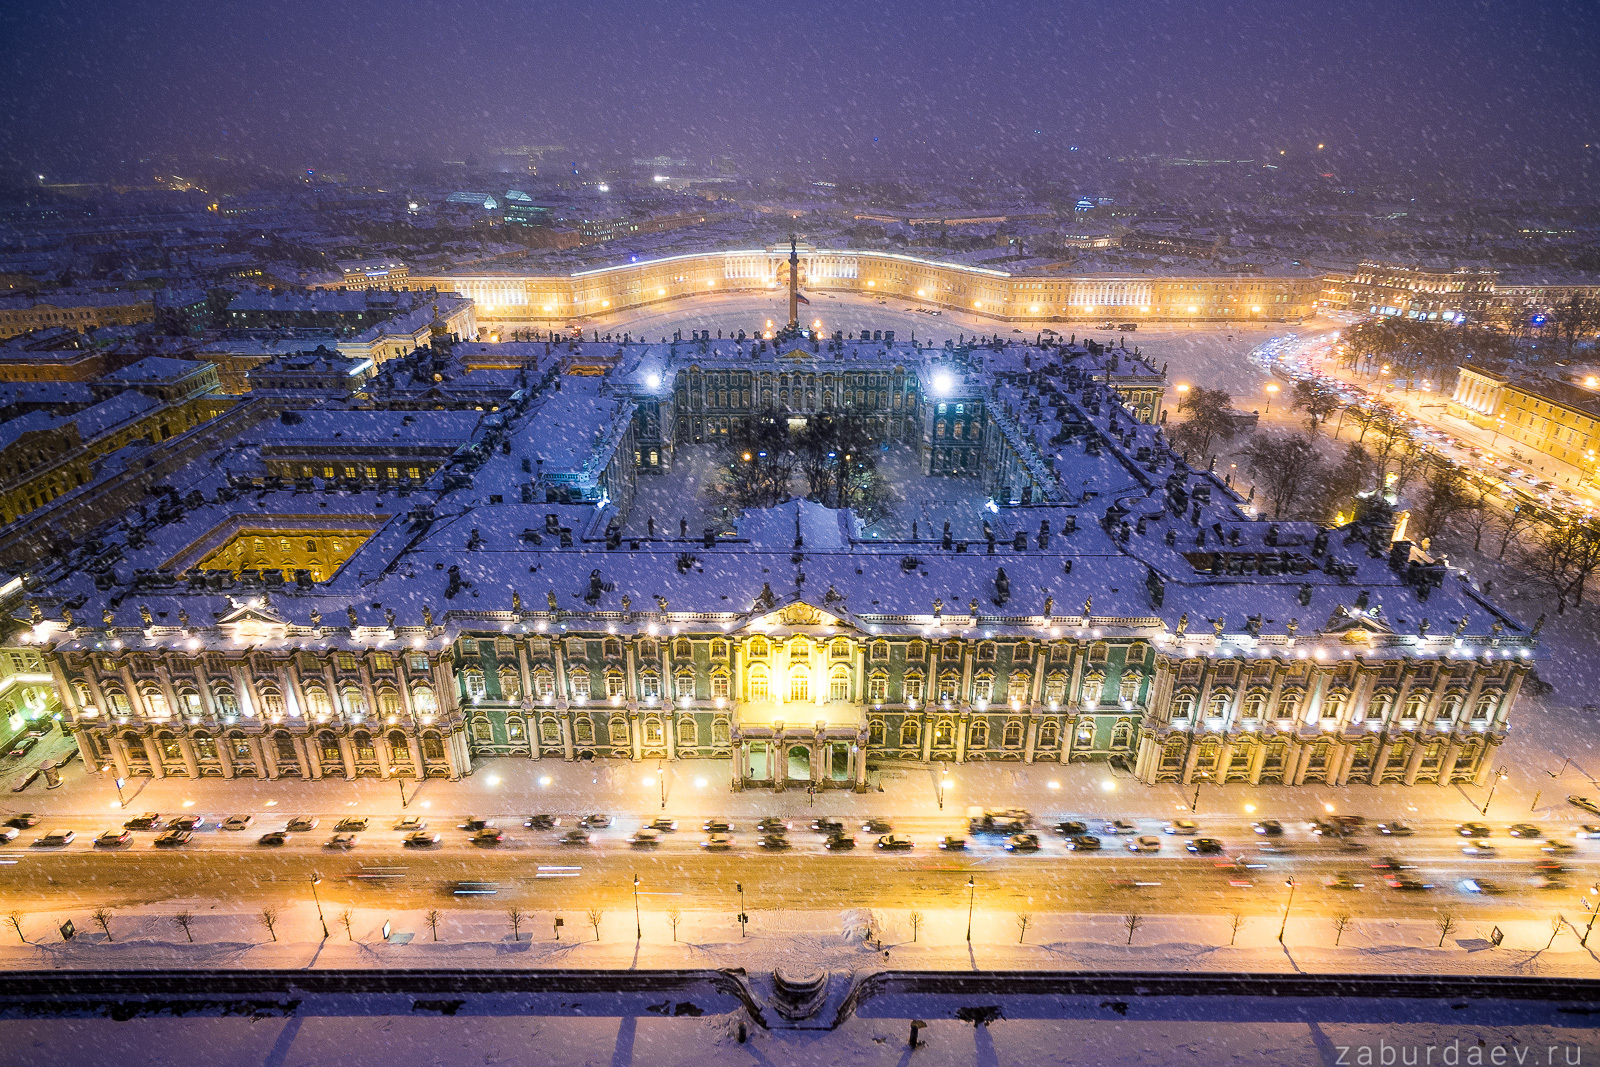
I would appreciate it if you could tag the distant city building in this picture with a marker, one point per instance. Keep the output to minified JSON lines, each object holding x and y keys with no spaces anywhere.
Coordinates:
{"x":1554,"y":418}
{"x":80,"y":311}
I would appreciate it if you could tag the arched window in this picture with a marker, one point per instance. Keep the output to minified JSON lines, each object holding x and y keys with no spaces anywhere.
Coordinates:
{"x":317,"y":703}
{"x":650,"y":685}
{"x":719,"y":733}
{"x":1055,"y":687}
{"x":719,"y":649}
{"x":1019,"y":686}
{"x":156,"y":702}
{"x":683,"y":684}
{"x":1128,"y":686}
{"x":719,"y":683}
{"x":647,"y":649}
{"x":1449,"y":708}
{"x":877,"y":687}
{"x":874,"y":732}
{"x":189,"y":701}
{"x":285,"y":745}
{"x":510,"y":685}
{"x":758,"y":683}
{"x":355,"y":702}
{"x":840,"y":649}
{"x":432,"y":746}
{"x":1121,"y":735}
{"x":916,"y":652}
{"x":1013,"y":733}
{"x":799,"y":685}
{"x":135,"y":747}
{"x":1379,"y":704}
{"x":799,"y":650}
{"x":227,"y":704}
{"x":1255,"y":704}
{"x":1289,"y":703}
{"x":1416,"y":704}
{"x":388,"y":704}
{"x":1085,"y":734}
{"x":1135,"y":656}
{"x":682,"y":649}
{"x":1485,"y":706}
{"x":1098,"y":652}
{"x":951,"y":650}
{"x":580,"y":685}
{"x":1022,"y":652}
{"x":615,"y":683}
{"x":1218,"y":706}
{"x":839,"y":684}
{"x":1333,"y":704}
{"x":652,"y":732}
{"x":618,"y":730}
{"x":1093,"y":687}
{"x":516,"y":731}
{"x":583,"y":730}
{"x":910,"y":733}
{"x":759,"y":648}
{"x":612,"y":648}
{"x":482,"y":731}
{"x":879,"y":652}
{"x":1049,"y":735}
{"x":949,"y":686}
{"x":1182,"y":704}
{"x":329,"y":746}
{"x":205,"y":747}
{"x":169,"y":746}
{"x":912,"y":687}
{"x":986,"y":651}
{"x":473,"y":680}
{"x":423,"y":700}
{"x":978,"y":735}
{"x":399,"y":751}
{"x":983,"y":687}
{"x":361,"y":741}
{"x":688,"y":732}
{"x":549,"y":731}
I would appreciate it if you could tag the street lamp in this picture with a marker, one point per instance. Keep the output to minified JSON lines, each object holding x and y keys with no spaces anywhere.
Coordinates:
{"x":972,"y":894}
{"x":1272,"y":389}
{"x":117,"y":779}
{"x":1285,"y":924}
{"x":401,"y":782}
{"x":944,"y":783}
{"x":316,"y":880}
{"x":661,"y":774}
{"x":638,"y":925}
{"x":743,"y":918}
{"x":1594,"y":910}
{"x":1499,"y":776}
{"x":1199,"y":780}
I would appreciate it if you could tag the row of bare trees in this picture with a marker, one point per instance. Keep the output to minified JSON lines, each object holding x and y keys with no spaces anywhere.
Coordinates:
{"x":1414,"y":349}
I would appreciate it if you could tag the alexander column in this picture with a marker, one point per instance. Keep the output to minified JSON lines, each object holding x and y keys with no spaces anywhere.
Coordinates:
{"x":794,"y":285}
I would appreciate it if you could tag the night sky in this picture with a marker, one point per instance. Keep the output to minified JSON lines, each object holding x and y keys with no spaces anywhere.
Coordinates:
{"x":855,"y":84}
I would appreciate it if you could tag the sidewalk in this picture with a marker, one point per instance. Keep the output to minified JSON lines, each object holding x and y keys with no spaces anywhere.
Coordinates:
{"x":509,"y":787}
{"x":856,"y":941}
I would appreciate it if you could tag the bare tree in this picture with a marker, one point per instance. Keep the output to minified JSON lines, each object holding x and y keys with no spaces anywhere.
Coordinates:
{"x":269,"y":919}
{"x":1132,"y":922}
{"x":185,"y":921}
{"x":1235,"y":920}
{"x":1512,"y":523}
{"x":1340,"y":924}
{"x":102,"y":918}
{"x":1318,"y":400}
{"x":1562,"y":557}
{"x":14,"y":920}
{"x":1354,"y":473}
{"x":674,"y":917}
{"x":594,"y":916}
{"x":432,"y":919}
{"x":347,"y":920}
{"x":1209,"y":422}
{"x":1445,"y":923}
{"x":1282,"y":468}
{"x":917,"y":919}
{"x":1555,"y":930}
{"x":1023,"y":919}
{"x":1447,"y":494}
{"x":1480,"y":516}
{"x":515,"y":917}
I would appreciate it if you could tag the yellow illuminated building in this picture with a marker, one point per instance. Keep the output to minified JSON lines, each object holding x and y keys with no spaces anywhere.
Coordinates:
{"x":320,"y":551}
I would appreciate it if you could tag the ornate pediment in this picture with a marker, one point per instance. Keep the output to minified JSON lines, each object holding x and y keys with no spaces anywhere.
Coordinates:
{"x":253,"y":620}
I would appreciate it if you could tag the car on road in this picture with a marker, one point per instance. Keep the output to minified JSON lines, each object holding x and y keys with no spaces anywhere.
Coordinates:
{"x":827,"y":826}
{"x":150,"y":820}
{"x":474,"y":824}
{"x":344,"y":841}
{"x":1584,"y":802}
{"x":1557,"y":848}
{"x":1405,"y":882}
{"x":1587,"y":831}
{"x":839,"y":843}
{"x":23,"y":747}
{"x":273,"y":838}
{"x":420,"y":839}
{"x":475,"y":889}
{"x":488,"y":837}
{"x":113,"y":839}
{"x":717,"y":842}
{"x":1390,"y":863}
{"x":187,"y":822}
{"x":1181,"y":826}
{"x":541,"y":822}
{"x":1551,"y":867}
{"x":1268,"y":827}
{"x":1275,"y":846}
{"x":1145,"y":843}
{"x":1022,"y":843}
{"x":876,"y":826}
{"x":1395,"y":828}
{"x":596,"y":821}
{"x":644,"y":837}
{"x":1524,"y":829}
{"x":353,"y":825}
{"x":1481,"y":885}
{"x":1072,"y":828}
{"x":1480,"y":849}
{"x":575,"y":837}
{"x":8,"y":834}
{"x":1325,"y":829}
{"x":173,"y":838}
{"x":1083,"y":843}
{"x":24,"y":820}
{"x":1349,"y":823}
{"x":1342,"y":881}
{"x":773,"y":842}
{"x":662,"y":825}
{"x":1204,"y":846}
{"x":238,"y":822}
{"x":302,"y":824}
{"x":409,"y":823}
{"x":1547,"y":881}
{"x":953,"y":843}
{"x":1473,"y":829}
{"x":894,"y":843}
{"x":717,"y":826}
{"x":1119,"y":826}
{"x":772,"y":825}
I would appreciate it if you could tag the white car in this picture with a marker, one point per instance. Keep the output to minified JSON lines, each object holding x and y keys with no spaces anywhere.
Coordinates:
{"x":238,"y":822}
{"x":1146,"y":843}
{"x":1181,"y":826}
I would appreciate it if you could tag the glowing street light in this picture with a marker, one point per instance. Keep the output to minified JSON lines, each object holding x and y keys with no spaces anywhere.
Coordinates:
{"x":1285,"y":925}
{"x":972,"y":894}
{"x":1272,"y":388}
{"x":316,"y":880}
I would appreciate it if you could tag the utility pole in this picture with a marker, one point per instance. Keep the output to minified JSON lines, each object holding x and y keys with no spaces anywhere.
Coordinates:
{"x":1499,"y":776}
{"x":316,"y":880}
{"x":1285,"y":924}
{"x":972,"y":894}
{"x":638,"y":924}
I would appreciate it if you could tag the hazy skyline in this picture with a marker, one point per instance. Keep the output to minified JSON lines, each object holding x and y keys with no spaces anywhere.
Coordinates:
{"x":860,"y":87}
